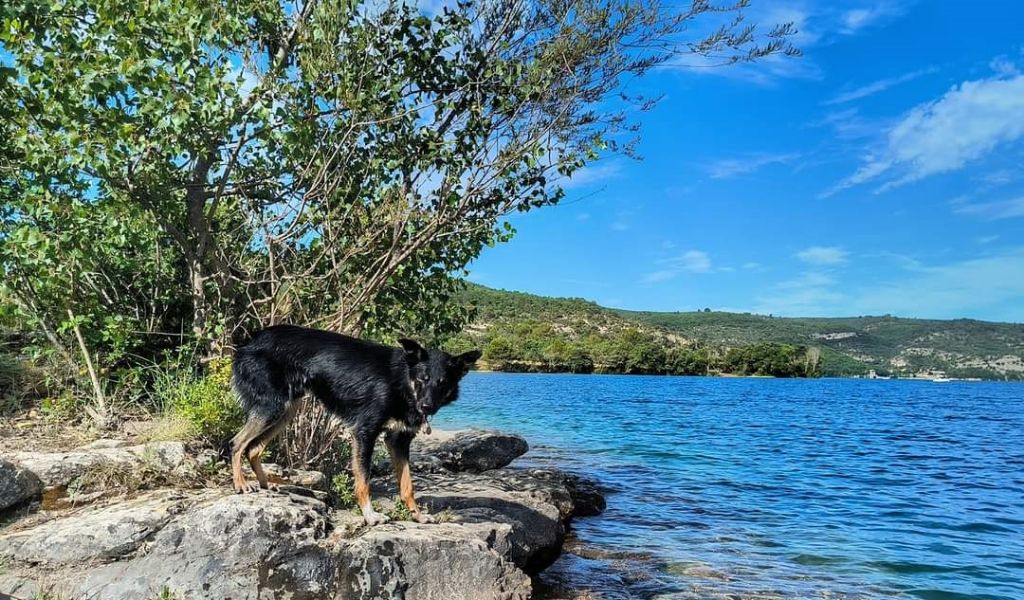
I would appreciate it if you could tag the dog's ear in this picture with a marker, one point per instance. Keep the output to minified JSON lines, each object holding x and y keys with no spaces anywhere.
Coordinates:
{"x":414,"y":353}
{"x":468,"y":358}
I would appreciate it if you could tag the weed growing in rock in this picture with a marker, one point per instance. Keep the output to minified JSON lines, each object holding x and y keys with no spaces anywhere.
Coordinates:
{"x":342,"y":492}
{"x":399,"y":511}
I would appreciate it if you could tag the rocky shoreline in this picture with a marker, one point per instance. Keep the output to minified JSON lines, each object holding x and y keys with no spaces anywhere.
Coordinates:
{"x":500,"y":525}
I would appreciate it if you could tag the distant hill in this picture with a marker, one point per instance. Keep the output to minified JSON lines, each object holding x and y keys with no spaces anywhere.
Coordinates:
{"x":528,"y":332}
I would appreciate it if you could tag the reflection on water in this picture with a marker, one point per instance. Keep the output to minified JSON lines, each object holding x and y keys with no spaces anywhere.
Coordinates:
{"x":754,"y":488}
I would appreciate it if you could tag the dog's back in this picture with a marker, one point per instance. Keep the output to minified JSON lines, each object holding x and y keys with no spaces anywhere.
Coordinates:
{"x":281,"y":363}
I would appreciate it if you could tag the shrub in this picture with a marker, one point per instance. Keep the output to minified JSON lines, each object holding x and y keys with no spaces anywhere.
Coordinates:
{"x":399,"y":511}
{"x":343,"y":492}
{"x":205,"y":402}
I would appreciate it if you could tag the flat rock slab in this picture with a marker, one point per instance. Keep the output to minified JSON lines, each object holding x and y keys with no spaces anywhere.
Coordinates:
{"x":428,"y":562}
{"x":103,"y":533}
{"x":61,"y":468}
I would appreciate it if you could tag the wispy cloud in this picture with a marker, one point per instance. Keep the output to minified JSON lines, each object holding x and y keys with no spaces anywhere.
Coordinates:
{"x":952,"y":290}
{"x":770,"y":70}
{"x":734,"y":167}
{"x":592,"y":175}
{"x":810,"y":293}
{"x":876,"y":87}
{"x":849,"y":124}
{"x":816,"y":24}
{"x":966,"y":123}
{"x":823,"y":255}
{"x":943,"y":291}
{"x":691,"y":261}
{"x":1002,"y":209}
{"x":854,"y":20}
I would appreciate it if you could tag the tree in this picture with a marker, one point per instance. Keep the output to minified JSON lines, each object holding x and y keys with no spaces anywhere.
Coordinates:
{"x":191,"y":171}
{"x":330,"y":162}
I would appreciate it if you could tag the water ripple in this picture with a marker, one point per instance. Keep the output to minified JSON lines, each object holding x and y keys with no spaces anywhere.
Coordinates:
{"x":754,"y":488}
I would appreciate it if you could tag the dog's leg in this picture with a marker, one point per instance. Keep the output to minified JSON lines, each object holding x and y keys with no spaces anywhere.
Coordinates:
{"x":398,"y":447}
{"x":253,"y":455}
{"x":362,"y":459}
{"x":264,"y":438}
{"x":240,"y":444}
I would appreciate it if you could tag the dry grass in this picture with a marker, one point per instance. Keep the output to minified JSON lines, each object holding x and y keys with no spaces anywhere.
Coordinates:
{"x":169,"y":427}
{"x":31,"y":431}
{"x":126,"y":479}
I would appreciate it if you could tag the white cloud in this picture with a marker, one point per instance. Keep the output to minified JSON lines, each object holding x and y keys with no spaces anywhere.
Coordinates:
{"x":691,"y":261}
{"x":999,"y":177}
{"x":767,"y":71}
{"x":968,"y":122}
{"x":734,"y":167}
{"x":1004,"y":66}
{"x":876,"y":87}
{"x":591,"y":175}
{"x":849,"y":124}
{"x":854,"y":20}
{"x":694,"y":261}
{"x":810,"y":293}
{"x":990,"y":286}
{"x":1003,"y":209}
{"x":993,"y":285}
{"x":823,"y":255}
{"x":816,"y":24}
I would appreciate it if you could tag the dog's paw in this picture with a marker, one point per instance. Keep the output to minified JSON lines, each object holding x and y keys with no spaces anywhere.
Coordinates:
{"x":423,"y":518}
{"x":373,"y":518}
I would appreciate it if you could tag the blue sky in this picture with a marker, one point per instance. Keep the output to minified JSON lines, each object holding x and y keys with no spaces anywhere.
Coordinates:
{"x":883,"y":172}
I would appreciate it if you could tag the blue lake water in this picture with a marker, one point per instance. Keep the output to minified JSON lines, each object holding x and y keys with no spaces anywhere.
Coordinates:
{"x":764,"y":488}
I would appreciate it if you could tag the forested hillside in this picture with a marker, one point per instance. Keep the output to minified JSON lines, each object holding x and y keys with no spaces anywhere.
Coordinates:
{"x":526,"y":332}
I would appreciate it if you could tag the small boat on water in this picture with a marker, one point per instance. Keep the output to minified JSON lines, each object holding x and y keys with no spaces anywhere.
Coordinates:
{"x":942,"y":380}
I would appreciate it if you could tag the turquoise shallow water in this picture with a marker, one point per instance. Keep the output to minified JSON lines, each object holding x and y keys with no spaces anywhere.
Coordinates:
{"x":827,"y":488}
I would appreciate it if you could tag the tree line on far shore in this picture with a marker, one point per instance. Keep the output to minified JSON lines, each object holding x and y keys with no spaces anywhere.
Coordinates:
{"x":539,"y":347}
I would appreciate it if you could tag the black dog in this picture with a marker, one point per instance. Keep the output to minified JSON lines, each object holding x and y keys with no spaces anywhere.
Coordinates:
{"x":369,"y":386}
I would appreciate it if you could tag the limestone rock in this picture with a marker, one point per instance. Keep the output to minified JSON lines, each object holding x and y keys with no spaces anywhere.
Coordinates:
{"x":472,"y":450}
{"x":60,"y":468}
{"x":17,"y":484}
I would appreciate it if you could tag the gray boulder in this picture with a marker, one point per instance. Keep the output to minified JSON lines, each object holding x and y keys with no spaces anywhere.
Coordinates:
{"x":230,"y":546}
{"x":428,"y":562}
{"x":17,"y":484}
{"x":472,"y":450}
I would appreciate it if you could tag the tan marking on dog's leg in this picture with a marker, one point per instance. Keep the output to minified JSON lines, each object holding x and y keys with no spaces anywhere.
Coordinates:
{"x":239,"y":444}
{"x":257,"y":467}
{"x":403,"y":473}
{"x":263,"y":439}
{"x":362,"y":490}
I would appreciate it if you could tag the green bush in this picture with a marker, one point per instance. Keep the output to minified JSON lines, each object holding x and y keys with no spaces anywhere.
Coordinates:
{"x":11,"y":371}
{"x":206,"y":402}
{"x":343,"y":492}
